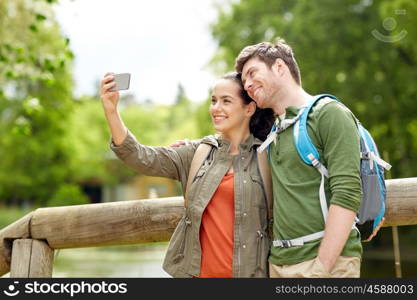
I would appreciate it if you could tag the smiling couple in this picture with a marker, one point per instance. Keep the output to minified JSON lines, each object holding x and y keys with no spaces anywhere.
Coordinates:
{"x":224,"y":231}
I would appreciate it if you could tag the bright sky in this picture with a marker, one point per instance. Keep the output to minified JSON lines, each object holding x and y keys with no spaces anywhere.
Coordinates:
{"x":160,"y":42}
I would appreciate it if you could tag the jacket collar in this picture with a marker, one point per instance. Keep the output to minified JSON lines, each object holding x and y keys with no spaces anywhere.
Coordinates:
{"x":218,"y":142}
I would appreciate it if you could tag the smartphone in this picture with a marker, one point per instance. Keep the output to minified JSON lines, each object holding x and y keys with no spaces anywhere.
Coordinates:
{"x":122,"y":82}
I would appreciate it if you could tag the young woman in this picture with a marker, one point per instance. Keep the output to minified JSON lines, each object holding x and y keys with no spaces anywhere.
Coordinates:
{"x":223,"y":232}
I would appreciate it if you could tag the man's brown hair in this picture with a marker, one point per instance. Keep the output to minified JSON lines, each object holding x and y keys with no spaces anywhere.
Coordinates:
{"x":268,"y":53}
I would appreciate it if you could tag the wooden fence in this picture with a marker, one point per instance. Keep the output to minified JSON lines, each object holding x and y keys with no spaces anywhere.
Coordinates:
{"x":27,"y":245}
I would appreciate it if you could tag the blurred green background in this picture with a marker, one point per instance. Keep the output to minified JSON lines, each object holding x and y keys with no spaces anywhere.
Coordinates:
{"x":363,"y":51}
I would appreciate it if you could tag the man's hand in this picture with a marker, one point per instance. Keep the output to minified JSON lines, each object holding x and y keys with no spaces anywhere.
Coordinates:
{"x":338,"y":227}
{"x":180,"y":143}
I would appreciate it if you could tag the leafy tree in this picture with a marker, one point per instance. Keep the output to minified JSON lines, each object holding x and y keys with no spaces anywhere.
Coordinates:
{"x":93,"y":163}
{"x":181,"y":119}
{"x":204,"y":123}
{"x":35,"y":101}
{"x":338,"y":52}
{"x":68,"y":194}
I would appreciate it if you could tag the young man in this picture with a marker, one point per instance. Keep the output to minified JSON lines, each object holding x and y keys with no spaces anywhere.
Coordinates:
{"x":272,"y":78}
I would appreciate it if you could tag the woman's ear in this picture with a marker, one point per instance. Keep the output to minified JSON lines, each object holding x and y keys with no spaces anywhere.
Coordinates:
{"x":251,"y":108}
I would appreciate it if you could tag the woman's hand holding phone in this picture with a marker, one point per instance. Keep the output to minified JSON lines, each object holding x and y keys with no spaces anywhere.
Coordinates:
{"x":109,"y":99}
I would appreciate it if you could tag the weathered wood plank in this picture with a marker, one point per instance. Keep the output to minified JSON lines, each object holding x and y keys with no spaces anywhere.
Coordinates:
{"x":151,"y":220}
{"x":17,"y":230}
{"x":401,"y":202}
{"x":31,"y":258}
{"x":21,"y":254}
{"x":41,"y":260}
{"x":115,"y":223}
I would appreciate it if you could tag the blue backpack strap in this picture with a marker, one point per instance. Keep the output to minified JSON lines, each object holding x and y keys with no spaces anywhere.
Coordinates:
{"x":302,"y":141}
{"x":308,"y":152}
{"x":309,"y":155}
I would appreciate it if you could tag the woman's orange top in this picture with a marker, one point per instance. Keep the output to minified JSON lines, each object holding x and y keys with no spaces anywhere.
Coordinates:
{"x":216,"y":231}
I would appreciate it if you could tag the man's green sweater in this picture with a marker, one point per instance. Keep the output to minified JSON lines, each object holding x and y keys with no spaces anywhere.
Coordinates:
{"x":297,"y":212}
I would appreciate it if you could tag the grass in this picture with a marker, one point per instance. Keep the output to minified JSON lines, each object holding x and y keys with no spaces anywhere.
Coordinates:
{"x":10,"y":214}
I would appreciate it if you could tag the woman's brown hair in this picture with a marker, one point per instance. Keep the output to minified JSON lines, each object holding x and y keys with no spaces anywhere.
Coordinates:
{"x":262,"y":120}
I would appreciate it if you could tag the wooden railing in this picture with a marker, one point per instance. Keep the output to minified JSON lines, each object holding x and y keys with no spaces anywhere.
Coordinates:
{"x":27,"y":245}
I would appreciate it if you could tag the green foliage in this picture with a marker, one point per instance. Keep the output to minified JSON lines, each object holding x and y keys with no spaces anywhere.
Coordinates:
{"x":31,"y":46}
{"x":35,"y":101}
{"x":156,"y":124}
{"x":68,"y":194}
{"x":204,"y":123}
{"x":49,"y":142}
{"x":338,"y":52}
{"x":182,"y":120}
{"x":147,"y":121}
{"x":92,"y":161}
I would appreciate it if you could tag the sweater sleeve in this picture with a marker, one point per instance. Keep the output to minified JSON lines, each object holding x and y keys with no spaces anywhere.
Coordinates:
{"x":170,"y":162}
{"x":341,"y":154}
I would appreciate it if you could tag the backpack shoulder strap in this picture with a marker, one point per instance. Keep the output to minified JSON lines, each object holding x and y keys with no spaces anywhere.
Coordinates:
{"x":265,"y":171}
{"x":200,"y":156}
{"x":305,"y":147}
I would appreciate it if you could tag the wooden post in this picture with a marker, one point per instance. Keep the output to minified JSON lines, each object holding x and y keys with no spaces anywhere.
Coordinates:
{"x":395,"y":238}
{"x":17,"y":230}
{"x":397,"y":257}
{"x":31,"y":258}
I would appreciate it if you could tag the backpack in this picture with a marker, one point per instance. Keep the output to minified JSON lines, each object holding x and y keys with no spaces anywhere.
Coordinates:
{"x":372,"y":209}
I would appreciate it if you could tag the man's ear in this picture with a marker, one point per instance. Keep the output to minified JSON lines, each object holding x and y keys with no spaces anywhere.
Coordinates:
{"x":279,"y":66}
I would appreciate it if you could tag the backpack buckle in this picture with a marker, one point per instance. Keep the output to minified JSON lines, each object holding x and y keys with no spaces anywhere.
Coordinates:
{"x":286,"y":243}
{"x":313,"y":160}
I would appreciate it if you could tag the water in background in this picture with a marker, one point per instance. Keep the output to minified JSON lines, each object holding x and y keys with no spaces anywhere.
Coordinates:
{"x":145,"y":260}
{"x":115,"y":261}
